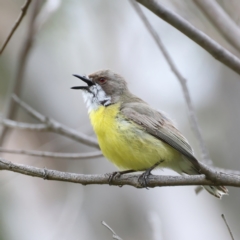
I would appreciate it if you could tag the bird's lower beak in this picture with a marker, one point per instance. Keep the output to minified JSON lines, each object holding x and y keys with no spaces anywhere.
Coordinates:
{"x":84,"y":79}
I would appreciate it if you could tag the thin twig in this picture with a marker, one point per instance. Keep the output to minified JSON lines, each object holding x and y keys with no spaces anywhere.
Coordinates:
{"x":11,"y":108}
{"x":127,"y":179}
{"x":229,"y":230}
{"x":114,"y":236}
{"x":222,"y":21}
{"x":48,"y":125}
{"x":182,"y":80}
{"x":71,"y":156}
{"x":24,"y":9}
{"x":211,"y":46}
{"x":52,"y":126}
{"x":23,"y":126}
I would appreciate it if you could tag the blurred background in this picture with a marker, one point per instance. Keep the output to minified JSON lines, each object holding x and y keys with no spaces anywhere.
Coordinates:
{"x":80,"y":37}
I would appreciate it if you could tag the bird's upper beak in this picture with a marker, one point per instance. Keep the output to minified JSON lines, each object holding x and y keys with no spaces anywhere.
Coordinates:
{"x":84,"y":79}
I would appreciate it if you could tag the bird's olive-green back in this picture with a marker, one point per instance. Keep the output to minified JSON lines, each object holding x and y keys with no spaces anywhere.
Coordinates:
{"x":158,"y":125}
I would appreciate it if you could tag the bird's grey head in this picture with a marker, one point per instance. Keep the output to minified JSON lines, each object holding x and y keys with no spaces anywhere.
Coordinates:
{"x":104,"y":88}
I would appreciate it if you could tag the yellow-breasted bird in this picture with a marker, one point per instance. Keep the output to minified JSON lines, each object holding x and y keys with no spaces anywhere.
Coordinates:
{"x":131,"y":134}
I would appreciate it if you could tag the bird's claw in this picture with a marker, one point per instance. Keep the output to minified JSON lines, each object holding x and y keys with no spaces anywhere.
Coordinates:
{"x":113,"y":176}
{"x":143,"y":179}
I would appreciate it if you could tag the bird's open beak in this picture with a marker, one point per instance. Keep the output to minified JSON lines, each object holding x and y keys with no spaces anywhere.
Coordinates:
{"x":86,"y":80}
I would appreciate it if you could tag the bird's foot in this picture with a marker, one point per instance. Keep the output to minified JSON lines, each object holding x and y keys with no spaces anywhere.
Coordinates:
{"x":143,"y":178}
{"x":117,"y":174}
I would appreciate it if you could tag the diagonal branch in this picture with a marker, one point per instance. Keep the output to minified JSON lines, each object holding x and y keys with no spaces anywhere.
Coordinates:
{"x":71,"y":156}
{"x":229,"y":229}
{"x":48,"y":124}
{"x":52,"y":126}
{"x":130,"y":180}
{"x":22,"y":60}
{"x":211,"y":46}
{"x":24,"y":9}
{"x":222,"y":21}
{"x":182,"y":80}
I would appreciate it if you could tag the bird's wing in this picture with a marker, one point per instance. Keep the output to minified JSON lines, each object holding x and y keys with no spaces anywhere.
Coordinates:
{"x":157,"y":125}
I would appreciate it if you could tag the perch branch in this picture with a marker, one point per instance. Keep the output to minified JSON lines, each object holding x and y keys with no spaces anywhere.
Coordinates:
{"x":128,"y":179}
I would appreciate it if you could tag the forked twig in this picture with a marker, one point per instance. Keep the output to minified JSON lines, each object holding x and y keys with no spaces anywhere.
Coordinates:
{"x":48,"y":124}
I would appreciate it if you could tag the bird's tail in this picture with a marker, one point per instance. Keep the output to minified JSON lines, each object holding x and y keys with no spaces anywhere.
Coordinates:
{"x":217,"y":191}
{"x":193,"y":168}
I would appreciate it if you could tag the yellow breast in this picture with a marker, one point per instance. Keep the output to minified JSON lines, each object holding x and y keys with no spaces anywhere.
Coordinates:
{"x":125,"y":143}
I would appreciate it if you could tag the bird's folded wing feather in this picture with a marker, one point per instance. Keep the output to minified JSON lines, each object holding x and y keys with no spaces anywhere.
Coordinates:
{"x":158,"y":125}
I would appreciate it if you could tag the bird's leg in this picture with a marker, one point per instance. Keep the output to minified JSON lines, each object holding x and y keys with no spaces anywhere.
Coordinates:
{"x":142,"y":179}
{"x":117,"y":174}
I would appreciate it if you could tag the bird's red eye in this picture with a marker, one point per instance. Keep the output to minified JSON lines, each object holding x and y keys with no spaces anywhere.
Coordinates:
{"x":102,"y":80}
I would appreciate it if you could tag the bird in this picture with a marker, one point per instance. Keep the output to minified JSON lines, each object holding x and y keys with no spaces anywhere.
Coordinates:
{"x":133,"y":135}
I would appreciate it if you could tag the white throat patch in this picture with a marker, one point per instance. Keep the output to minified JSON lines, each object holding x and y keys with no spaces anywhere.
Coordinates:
{"x":95,"y":97}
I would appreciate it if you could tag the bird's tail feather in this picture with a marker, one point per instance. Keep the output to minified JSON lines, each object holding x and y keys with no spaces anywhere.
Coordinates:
{"x":217,"y":191}
{"x":193,"y":168}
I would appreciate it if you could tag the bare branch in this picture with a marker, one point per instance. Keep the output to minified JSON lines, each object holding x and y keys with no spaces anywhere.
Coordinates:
{"x":37,"y":19}
{"x":24,"y":9}
{"x":23,"y":126}
{"x":182,"y":80}
{"x":22,"y":60}
{"x":225,"y":25}
{"x":229,"y":230}
{"x":128,"y":179}
{"x":52,"y":126}
{"x":228,"y":171}
{"x":48,"y":125}
{"x":115,"y":236}
{"x":211,"y":174}
{"x":211,"y":46}
{"x":71,"y":156}
{"x":215,"y":176}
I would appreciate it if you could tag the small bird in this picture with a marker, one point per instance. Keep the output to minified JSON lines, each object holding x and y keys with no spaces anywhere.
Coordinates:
{"x":133,"y":135}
